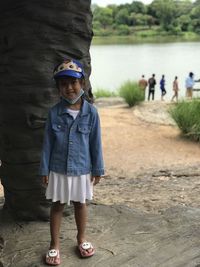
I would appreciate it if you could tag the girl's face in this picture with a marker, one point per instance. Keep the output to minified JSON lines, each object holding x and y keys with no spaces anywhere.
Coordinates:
{"x":69,"y":87}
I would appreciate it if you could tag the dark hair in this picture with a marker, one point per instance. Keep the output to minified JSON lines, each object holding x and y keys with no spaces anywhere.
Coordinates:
{"x":191,"y":74}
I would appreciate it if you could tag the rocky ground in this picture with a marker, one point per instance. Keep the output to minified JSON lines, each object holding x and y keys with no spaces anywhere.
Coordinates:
{"x":146,"y":209}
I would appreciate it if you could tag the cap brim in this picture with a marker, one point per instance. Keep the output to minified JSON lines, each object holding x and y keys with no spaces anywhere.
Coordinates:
{"x":70,"y":73}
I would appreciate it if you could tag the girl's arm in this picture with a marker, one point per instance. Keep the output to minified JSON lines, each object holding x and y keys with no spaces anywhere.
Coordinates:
{"x":47,"y":148}
{"x":96,"y":148}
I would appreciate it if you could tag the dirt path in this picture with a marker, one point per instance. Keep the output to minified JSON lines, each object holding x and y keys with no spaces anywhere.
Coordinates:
{"x":146,"y":162}
{"x":132,"y":145}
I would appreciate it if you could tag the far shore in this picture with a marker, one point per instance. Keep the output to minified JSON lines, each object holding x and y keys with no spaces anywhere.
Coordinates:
{"x":136,"y":39}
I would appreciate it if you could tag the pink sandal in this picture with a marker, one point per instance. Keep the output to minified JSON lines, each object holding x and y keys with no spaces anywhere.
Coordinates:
{"x":53,"y":257}
{"x":86,"y":249}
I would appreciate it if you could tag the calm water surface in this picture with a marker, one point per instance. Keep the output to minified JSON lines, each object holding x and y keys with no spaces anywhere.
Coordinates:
{"x":114,"y":64}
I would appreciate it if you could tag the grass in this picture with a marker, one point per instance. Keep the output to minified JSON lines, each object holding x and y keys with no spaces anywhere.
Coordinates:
{"x":187,"y":117}
{"x":131,"y":93}
{"x":103,"y":93}
{"x":145,"y":36}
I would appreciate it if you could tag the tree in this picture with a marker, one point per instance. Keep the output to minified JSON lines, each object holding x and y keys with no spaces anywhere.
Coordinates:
{"x":137,"y":7}
{"x":104,"y":15}
{"x":165,"y":11}
{"x":35,"y":36}
{"x":195,"y":15}
{"x":122,"y":17}
{"x":184,"y":22}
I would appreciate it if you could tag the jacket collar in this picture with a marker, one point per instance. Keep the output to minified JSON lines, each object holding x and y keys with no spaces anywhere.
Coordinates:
{"x":84,"y":108}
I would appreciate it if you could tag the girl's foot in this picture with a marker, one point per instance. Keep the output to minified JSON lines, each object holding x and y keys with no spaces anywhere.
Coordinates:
{"x":86,"y":249}
{"x":53,"y":257}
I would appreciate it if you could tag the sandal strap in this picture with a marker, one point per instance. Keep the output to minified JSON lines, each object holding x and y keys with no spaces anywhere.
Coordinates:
{"x":86,"y":245}
{"x":53,"y":253}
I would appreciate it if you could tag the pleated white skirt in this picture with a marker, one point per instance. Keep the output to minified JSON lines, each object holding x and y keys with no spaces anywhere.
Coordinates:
{"x":65,"y":188}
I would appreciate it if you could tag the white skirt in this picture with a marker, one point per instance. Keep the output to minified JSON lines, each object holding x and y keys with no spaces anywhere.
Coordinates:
{"x":65,"y":188}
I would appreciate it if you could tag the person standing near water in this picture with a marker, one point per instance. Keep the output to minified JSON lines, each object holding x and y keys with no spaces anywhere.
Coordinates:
{"x":162,"y":87}
{"x":175,"y":89}
{"x":189,"y":83}
{"x":143,"y":85}
{"x":151,"y":83}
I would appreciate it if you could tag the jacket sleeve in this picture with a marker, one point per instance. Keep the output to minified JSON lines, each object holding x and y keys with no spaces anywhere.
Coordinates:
{"x":96,"y":147}
{"x":47,"y":148}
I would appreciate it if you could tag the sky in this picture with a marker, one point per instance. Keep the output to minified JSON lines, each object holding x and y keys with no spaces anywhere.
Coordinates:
{"x":117,"y":2}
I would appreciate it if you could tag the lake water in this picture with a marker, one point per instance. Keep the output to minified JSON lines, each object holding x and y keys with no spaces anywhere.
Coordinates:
{"x":114,"y":64}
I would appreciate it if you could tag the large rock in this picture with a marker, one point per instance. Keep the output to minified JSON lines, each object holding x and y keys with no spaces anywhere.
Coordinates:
{"x":122,"y":237}
{"x":35,"y":36}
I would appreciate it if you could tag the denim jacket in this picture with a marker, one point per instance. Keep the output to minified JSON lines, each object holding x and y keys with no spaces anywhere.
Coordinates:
{"x":72,"y":147}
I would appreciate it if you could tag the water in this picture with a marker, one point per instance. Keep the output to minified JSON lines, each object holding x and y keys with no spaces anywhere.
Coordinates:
{"x":114,"y":64}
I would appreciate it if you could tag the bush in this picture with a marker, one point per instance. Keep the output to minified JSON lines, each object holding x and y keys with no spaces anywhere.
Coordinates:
{"x":123,"y":30}
{"x":131,"y":93}
{"x":103,"y":93}
{"x":186,"y":115}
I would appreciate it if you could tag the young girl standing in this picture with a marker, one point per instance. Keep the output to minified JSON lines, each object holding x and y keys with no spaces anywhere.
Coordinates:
{"x":71,"y":160}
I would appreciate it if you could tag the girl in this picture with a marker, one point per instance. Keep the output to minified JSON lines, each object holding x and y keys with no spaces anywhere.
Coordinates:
{"x":71,"y":160}
{"x":175,"y":89}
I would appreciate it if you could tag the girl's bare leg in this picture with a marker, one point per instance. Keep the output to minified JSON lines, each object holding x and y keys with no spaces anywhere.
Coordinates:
{"x":80,"y":213}
{"x":55,"y":222}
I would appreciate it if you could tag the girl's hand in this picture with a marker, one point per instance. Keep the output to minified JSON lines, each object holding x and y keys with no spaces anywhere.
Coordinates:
{"x":95,"y":179}
{"x":45,"y":180}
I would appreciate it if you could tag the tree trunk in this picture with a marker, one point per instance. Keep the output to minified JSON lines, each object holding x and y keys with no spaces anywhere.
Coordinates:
{"x":35,"y":36}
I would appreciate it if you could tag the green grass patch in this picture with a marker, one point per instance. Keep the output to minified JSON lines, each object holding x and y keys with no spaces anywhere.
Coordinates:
{"x":145,"y":36}
{"x":131,"y":93}
{"x":187,"y":117}
{"x":103,"y":93}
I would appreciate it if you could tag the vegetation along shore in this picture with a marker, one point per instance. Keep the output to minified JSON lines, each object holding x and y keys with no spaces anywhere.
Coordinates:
{"x":162,"y":20}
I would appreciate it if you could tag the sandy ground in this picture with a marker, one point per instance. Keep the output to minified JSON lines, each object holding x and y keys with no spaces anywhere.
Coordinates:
{"x":143,"y":160}
{"x":149,"y":166}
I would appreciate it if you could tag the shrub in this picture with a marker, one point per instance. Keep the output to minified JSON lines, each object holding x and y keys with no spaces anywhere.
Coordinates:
{"x":103,"y":93}
{"x":131,"y":93}
{"x":123,"y":29}
{"x":186,"y":115}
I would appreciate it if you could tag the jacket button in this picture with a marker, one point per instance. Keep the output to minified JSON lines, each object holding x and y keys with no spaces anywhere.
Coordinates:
{"x":59,"y":126}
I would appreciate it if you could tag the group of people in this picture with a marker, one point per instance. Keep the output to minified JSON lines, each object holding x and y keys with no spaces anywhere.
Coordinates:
{"x":151,"y":83}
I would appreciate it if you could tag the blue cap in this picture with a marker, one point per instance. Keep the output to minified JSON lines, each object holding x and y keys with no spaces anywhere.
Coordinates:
{"x":69,"y":67}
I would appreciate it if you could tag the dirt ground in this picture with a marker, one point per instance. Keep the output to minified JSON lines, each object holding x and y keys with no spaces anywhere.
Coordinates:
{"x":149,"y":166}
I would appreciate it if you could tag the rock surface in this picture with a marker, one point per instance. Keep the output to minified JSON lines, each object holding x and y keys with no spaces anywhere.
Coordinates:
{"x":35,"y":37}
{"x":122,"y":237}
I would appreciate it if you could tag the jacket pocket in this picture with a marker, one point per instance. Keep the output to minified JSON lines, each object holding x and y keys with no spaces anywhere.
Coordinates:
{"x":84,"y":128}
{"x":58,"y":127}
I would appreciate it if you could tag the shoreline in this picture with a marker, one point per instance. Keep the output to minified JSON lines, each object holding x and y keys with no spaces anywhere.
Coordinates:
{"x":134,"y":39}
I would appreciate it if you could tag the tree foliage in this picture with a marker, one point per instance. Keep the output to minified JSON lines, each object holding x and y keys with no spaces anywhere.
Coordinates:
{"x":169,"y":15}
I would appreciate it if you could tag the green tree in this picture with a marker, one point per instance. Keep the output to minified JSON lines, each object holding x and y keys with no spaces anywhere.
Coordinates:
{"x":165,"y":11}
{"x":184,"y":22}
{"x":137,"y":7}
{"x":195,"y":15}
{"x":122,"y":17}
{"x":183,"y":7}
{"x":104,"y":15}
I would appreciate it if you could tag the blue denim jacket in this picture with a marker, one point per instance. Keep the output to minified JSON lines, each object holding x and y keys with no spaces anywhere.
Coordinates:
{"x":72,"y":147}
